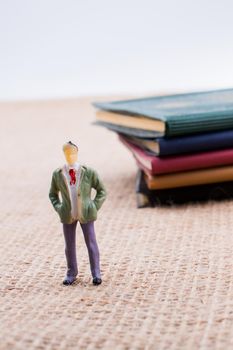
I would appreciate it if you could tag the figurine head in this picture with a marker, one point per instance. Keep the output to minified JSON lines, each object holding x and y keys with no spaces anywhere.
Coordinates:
{"x":71,"y":152}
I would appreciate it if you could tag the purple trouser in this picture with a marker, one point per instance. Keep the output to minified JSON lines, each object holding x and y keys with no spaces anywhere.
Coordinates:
{"x":69,"y":231}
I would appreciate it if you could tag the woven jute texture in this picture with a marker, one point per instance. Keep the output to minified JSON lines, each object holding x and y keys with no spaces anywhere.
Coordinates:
{"x":167,"y":272}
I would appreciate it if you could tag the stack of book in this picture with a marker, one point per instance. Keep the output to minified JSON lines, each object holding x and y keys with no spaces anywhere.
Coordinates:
{"x":183,"y":144}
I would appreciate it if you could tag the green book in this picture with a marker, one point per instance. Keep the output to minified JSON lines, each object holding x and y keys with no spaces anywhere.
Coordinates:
{"x":170,"y":115}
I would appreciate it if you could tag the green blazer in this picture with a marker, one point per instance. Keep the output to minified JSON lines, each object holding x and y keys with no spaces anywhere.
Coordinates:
{"x":87,"y":208}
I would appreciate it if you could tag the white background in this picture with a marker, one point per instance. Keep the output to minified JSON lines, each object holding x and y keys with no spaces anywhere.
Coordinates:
{"x":69,"y":48}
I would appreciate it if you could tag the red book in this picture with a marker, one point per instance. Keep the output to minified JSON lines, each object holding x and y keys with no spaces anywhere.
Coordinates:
{"x":156,"y":165}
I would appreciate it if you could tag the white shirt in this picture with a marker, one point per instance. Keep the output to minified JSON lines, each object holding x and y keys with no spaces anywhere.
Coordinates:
{"x":73,"y":188}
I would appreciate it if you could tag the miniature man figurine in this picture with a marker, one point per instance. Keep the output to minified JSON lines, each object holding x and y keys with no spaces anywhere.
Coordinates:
{"x":74,"y":183}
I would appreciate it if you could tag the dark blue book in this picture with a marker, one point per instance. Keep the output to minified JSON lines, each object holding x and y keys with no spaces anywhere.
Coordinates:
{"x":186,"y":144}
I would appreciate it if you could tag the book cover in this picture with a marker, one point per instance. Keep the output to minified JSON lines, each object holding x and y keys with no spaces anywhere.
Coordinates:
{"x":180,"y":195}
{"x":181,"y":114}
{"x":155,"y":165}
{"x":185,"y":144}
{"x":129,"y":131}
{"x":131,"y":121}
{"x":190,"y":178}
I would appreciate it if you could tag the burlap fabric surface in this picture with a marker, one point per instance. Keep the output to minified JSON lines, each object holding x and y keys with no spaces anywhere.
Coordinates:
{"x":167,"y":272}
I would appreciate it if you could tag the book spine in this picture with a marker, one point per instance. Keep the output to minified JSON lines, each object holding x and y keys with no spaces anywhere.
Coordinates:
{"x":143,"y":199}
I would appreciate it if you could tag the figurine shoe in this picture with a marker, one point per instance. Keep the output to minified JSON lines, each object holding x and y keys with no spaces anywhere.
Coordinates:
{"x":96,"y":281}
{"x":68,"y":280}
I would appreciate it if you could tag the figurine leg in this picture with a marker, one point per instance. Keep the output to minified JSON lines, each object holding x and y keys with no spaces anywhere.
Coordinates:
{"x":69,"y":231}
{"x":93,"y":250}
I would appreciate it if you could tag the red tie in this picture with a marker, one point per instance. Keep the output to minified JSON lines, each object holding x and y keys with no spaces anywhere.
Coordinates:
{"x":72,"y":176}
